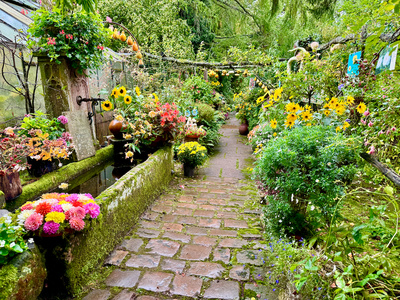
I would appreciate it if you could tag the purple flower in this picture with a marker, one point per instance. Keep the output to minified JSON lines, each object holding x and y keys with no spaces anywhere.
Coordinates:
{"x":51,"y":227}
{"x":63,"y":119}
{"x":341,"y":86}
{"x":57,"y":208}
{"x":348,"y":120}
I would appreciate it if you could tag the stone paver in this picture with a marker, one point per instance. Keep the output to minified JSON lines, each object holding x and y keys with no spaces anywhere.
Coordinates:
{"x":221,"y":289}
{"x":195,"y":252}
{"x":126,"y":279}
{"x":155,"y":281}
{"x":163,"y":247}
{"x":212,"y":270}
{"x":184,"y":245}
{"x":143,"y":261}
{"x":98,"y":295}
{"x":186,"y":286}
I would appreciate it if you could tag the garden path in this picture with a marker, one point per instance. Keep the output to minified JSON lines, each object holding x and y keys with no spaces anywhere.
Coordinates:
{"x":200,"y":239}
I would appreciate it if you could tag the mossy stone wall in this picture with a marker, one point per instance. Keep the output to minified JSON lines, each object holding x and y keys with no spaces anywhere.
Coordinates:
{"x":23,"y":277}
{"x":121,"y":206}
{"x":67,"y":173}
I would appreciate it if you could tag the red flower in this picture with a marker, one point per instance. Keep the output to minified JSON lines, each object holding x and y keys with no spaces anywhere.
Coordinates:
{"x":43,"y":208}
{"x":62,"y":32}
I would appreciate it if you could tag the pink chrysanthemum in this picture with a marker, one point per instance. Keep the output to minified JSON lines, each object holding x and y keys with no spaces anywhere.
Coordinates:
{"x":92,"y":209}
{"x":33,"y":222}
{"x":51,"y":227}
{"x":76,"y":224}
{"x":57,"y":207}
{"x":72,"y":198}
{"x":76,"y":212}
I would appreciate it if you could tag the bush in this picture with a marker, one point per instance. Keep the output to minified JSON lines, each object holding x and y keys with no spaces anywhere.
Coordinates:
{"x":303,"y":174}
{"x":199,"y":90}
{"x":205,"y":113}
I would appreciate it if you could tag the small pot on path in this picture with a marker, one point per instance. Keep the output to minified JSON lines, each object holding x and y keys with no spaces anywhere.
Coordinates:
{"x":188,"y":170}
{"x":244,"y":128}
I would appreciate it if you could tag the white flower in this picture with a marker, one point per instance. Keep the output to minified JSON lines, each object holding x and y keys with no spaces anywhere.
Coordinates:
{"x":24,"y":215}
{"x":280,"y":221}
{"x":63,"y":186}
{"x":31,"y":241}
{"x":316,"y":180}
{"x":7,"y":220}
{"x":66,"y":206}
{"x":60,"y":165}
{"x":12,"y":244}
{"x":292,"y":198}
{"x":2,"y":243}
{"x":312,"y":207}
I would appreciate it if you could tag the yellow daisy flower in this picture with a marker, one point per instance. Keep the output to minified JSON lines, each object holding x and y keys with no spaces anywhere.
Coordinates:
{"x":115,"y":93}
{"x":122,"y":91}
{"x":289,"y":123}
{"x":137,"y":90}
{"x":273,"y":123}
{"x":327,"y":112}
{"x":306,"y":115}
{"x":128,"y":99}
{"x":361,"y":108}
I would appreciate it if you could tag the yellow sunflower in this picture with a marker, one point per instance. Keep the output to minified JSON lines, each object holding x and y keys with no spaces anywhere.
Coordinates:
{"x":340,"y":110}
{"x":292,"y":117}
{"x":291,"y":107}
{"x":339,"y":128}
{"x":273,"y":123}
{"x":361,"y":107}
{"x":122,"y":91}
{"x":137,"y":90}
{"x":333,"y":101}
{"x":346,"y":125}
{"x":306,"y":115}
{"x":327,"y":112}
{"x":107,"y":105}
{"x":289,"y":123}
{"x":350,"y":100}
{"x":115,"y":93}
{"x":128,"y":99}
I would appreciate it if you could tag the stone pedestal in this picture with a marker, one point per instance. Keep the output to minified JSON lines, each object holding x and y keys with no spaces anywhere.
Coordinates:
{"x":61,"y":85}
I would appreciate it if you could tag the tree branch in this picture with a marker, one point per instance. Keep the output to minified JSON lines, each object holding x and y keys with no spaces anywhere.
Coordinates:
{"x":389,"y":173}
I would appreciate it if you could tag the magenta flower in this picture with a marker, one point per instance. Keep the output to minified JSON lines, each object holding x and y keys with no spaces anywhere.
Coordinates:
{"x":51,"y":227}
{"x":62,"y":32}
{"x":108,"y":19}
{"x":366,"y":113}
{"x":57,"y":208}
{"x":76,"y":212}
{"x":33,"y":221}
{"x":362,"y":121}
{"x":77,"y":224}
{"x":63,"y":119}
{"x":92,"y":209}
{"x":372,"y":150}
{"x":393,"y":128}
{"x":51,"y":41}
{"x":370,"y":124}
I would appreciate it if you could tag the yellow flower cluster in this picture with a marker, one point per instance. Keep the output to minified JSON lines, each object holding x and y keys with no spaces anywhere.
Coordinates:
{"x":216,"y":83}
{"x":297,"y":112}
{"x":55,"y":216}
{"x":193,"y":148}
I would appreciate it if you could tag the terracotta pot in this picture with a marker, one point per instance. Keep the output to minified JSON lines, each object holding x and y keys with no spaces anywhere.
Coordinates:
{"x":191,"y":138}
{"x":244,"y":129}
{"x":188,"y":170}
{"x":10,"y":185}
{"x":115,"y":128}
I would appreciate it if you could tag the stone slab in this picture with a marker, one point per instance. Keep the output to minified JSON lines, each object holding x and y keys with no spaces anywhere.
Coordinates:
{"x":143,"y":261}
{"x":173,"y":265}
{"x":126,"y":279}
{"x":222,"y":254}
{"x":163,"y":247}
{"x":195,"y":252}
{"x":249,"y":257}
{"x":212,"y":270}
{"x":239,"y":273}
{"x":155,"y":281}
{"x":125,"y":295}
{"x":79,"y":128}
{"x":221,"y":289}
{"x":131,"y":244}
{"x":116,"y":257}
{"x":97,"y":295}
{"x":188,"y":286}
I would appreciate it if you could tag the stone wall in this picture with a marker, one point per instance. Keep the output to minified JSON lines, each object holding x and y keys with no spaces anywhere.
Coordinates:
{"x":121,"y":206}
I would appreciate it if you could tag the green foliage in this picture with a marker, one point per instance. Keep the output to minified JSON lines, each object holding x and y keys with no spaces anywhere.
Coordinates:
{"x":205,"y":114}
{"x":11,"y":240}
{"x":78,"y":35}
{"x":303,"y":173}
{"x":155,"y":24}
{"x":40,"y":121}
{"x":198,"y":90}
{"x":88,"y":5}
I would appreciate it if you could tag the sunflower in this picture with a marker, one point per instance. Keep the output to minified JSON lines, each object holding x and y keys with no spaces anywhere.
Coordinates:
{"x":291,"y":107}
{"x":115,"y":93}
{"x":122,"y":91}
{"x":292,"y":117}
{"x":350,"y":100}
{"x":260,"y":99}
{"x":269,"y":104}
{"x":289,"y":123}
{"x":155,"y":97}
{"x":107,"y":105}
{"x":333,"y":101}
{"x":339,"y":128}
{"x":128,"y":99}
{"x":361,"y":108}
{"x":340,"y":110}
{"x":346,"y":125}
{"x":273,"y":123}
{"x":327,"y":112}
{"x":306,"y":115}
{"x":137,"y":90}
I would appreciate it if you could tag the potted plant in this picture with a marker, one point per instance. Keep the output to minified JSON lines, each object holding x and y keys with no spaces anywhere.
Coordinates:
{"x":13,"y":151}
{"x":193,"y":133}
{"x":191,"y":154}
{"x":47,"y":141}
{"x":55,"y":213}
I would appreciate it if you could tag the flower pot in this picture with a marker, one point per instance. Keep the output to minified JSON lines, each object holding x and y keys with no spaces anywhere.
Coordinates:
{"x":188,"y":170}
{"x":191,"y":138}
{"x":10,"y":185}
{"x":115,"y":128}
{"x":40,"y":167}
{"x":244,"y":129}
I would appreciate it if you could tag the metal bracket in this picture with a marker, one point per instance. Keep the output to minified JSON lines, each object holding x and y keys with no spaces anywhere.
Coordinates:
{"x":95,"y":101}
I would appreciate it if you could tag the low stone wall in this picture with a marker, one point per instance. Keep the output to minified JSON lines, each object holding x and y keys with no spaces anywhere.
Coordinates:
{"x":121,"y":206}
{"x":23,"y":277}
{"x":50,"y":181}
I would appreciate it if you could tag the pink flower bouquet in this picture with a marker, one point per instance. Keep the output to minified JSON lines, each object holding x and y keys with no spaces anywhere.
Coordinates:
{"x":56,"y":212}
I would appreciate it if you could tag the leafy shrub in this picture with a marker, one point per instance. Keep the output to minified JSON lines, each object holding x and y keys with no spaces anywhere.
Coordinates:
{"x":303,"y":174}
{"x":11,"y":241}
{"x":205,"y":113}
{"x":199,"y":90}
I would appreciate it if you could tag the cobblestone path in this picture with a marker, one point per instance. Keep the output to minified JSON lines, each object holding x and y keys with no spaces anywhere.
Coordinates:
{"x":200,"y":239}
